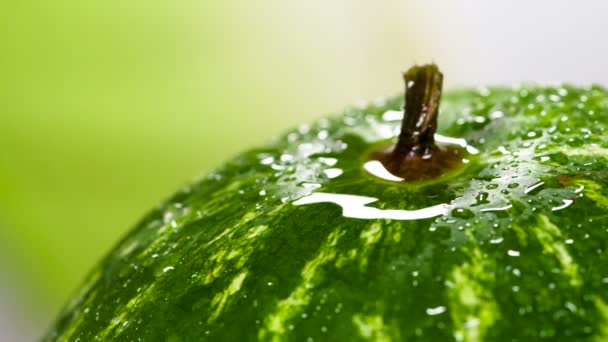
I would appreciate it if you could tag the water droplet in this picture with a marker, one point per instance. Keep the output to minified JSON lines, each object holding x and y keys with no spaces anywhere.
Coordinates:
{"x":513,"y":253}
{"x":482,"y":198}
{"x":435,"y":311}
{"x":503,"y":150}
{"x":333,"y":173}
{"x":496,"y":115}
{"x":497,"y":240}
{"x":533,"y":187}
{"x":311,"y":186}
{"x":531,"y":134}
{"x":456,"y":141}
{"x":479,"y":119}
{"x":377,"y":169}
{"x":328,"y":161}
{"x":287,"y":158}
{"x":566,"y":204}
{"x":168,"y":268}
{"x":570,"y":306}
{"x":267,"y":161}
{"x":462,"y":213}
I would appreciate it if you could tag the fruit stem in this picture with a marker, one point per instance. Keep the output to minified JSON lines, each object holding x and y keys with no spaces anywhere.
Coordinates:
{"x":416,"y":157}
{"x":423,"y":86}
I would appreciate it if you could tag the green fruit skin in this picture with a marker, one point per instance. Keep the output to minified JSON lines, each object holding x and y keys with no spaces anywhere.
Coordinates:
{"x":231,"y":258}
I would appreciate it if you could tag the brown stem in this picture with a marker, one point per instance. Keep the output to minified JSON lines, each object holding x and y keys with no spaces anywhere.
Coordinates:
{"x":423,"y":86}
{"x":416,"y":156}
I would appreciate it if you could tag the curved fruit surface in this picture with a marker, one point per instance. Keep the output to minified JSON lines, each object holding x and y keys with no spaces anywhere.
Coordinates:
{"x":513,"y":247}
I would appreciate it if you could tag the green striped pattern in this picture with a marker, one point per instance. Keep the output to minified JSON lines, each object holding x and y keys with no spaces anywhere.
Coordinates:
{"x":521,"y":255}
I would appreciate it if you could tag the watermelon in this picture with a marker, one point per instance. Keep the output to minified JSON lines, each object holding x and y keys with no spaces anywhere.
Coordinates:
{"x":308,"y":239}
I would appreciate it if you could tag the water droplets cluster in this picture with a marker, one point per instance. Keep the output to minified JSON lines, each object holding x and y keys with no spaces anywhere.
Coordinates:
{"x":306,"y":163}
{"x":527,"y":154}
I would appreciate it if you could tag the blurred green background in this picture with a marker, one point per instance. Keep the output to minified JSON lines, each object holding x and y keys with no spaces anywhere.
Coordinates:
{"x":107,"y":107}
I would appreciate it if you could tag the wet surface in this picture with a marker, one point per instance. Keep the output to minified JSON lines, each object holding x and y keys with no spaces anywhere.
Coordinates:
{"x":305,"y":240}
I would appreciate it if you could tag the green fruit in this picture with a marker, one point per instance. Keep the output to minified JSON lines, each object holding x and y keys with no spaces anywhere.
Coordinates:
{"x":512,"y":246}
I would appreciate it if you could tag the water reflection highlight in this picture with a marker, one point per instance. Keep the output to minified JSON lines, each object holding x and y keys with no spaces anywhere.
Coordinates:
{"x":354,"y":206}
